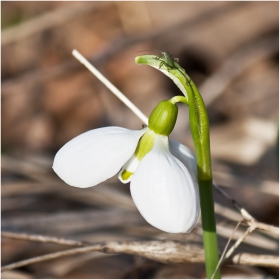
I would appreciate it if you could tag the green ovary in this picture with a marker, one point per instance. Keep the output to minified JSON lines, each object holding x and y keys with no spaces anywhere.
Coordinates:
{"x":163,"y":118}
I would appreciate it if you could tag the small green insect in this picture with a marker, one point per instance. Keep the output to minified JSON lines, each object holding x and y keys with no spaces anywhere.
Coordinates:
{"x":166,"y":59}
{"x":170,"y":62}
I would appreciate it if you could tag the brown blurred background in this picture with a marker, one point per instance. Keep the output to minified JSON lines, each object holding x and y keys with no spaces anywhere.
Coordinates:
{"x":229,"y":49}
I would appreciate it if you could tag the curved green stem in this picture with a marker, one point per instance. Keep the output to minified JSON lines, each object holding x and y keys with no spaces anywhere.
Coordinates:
{"x":179,"y":98}
{"x":202,"y":147}
{"x":200,"y":132}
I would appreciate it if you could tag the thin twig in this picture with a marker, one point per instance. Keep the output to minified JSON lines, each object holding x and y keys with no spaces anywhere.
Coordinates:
{"x":162,"y":251}
{"x":255,"y":260}
{"x":110,"y":86}
{"x":222,"y":256}
{"x":51,"y":256}
{"x":239,"y":241}
{"x":256,"y":240}
{"x":262,"y":226}
{"x":229,"y":199}
{"x":42,"y":238}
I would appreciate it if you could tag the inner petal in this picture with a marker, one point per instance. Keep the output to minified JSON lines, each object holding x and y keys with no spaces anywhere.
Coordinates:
{"x":126,"y":173}
{"x":144,"y":146}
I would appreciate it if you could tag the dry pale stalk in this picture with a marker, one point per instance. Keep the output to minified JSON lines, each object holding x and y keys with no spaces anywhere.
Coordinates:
{"x":42,"y":238}
{"x":256,"y":260}
{"x":162,"y":251}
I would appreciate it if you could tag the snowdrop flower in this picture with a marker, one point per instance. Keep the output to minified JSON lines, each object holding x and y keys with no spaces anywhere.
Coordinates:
{"x":163,"y":187}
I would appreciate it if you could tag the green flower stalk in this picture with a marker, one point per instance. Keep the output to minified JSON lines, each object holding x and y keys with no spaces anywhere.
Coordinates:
{"x":200,"y":133}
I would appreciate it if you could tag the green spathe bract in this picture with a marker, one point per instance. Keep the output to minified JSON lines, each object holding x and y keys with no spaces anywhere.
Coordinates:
{"x":176,"y":72}
{"x":163,"y":118}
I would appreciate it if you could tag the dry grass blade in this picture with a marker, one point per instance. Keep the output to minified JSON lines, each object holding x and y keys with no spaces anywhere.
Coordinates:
{"x":256,"y":260}
{"x":42,"y":238}
{"x":110,"y":86}
{"x":238,"y":242}
{"x":51,"y":256}
{"x":222,"y":256}
{"x":162,"y":251}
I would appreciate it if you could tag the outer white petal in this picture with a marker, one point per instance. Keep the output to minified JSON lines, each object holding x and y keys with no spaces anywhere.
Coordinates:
{"x":185,"y":155}
{"x":164,"y":191}
{"x":96,"y":155}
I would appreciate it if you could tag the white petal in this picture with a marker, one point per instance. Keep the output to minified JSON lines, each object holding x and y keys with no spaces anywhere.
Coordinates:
{"x":164,"y":191}
{"x":185,"y":155}
{"x":96,"y":155}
